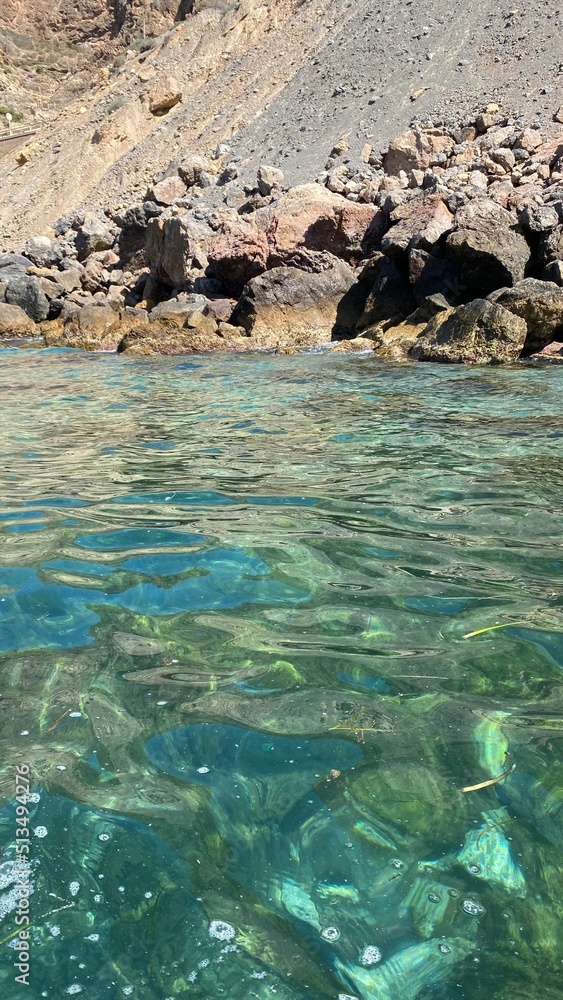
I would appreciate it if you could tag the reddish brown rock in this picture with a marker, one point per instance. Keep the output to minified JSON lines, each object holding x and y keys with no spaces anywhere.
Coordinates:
{"x":236,"y":255}
{"x":418,"y":223}
{"x":414,"y":150}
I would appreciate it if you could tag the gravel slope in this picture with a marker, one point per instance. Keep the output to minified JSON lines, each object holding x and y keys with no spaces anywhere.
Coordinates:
{"x":282,"y":81}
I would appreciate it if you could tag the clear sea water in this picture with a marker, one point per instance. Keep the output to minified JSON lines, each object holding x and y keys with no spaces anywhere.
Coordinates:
{"x":261,"y":620}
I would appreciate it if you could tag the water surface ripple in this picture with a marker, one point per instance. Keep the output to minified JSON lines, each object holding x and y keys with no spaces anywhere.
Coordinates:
{"x":261,"y":620}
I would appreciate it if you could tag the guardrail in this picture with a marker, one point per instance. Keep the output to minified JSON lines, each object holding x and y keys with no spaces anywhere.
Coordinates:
{"x":16,"y":132}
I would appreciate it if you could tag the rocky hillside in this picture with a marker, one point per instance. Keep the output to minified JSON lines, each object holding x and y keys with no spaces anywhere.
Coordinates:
{"x":275,"y":80}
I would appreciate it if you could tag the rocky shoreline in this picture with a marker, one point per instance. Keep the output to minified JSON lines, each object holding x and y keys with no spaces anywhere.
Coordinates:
{"x":447,"y":246}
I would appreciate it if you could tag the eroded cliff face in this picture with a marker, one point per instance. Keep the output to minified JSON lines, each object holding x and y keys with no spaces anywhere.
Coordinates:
{"x":75,"y":21}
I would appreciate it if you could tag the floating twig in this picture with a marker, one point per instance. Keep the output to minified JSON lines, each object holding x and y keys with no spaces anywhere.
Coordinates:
{"x":63,"y":716}
{"x":493,"y":628}
{"x":491,"y":781}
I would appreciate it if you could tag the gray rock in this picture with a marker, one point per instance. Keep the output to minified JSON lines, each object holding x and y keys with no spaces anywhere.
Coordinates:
{"x":94,"y":235}
{"x":268,"y":178}
{"x":14,"y":261}
{"x":538,"y":218}
{"x":42,"y":251}
{"x":175,"y":247}
{"x":25,"y":291}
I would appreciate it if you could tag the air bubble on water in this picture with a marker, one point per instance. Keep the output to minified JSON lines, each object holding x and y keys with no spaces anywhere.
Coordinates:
{"x":330,"y":933}
{"x":74,"y":888}
{"x":474,"y":869}
{"x":346,"y":996}
{"x":445,"y":949}
{"x":75,"y":988}
{"x":397,"y":864}
{"x":75,"y":715}
{"x":34,"y":797}
{"x":221,"y":930}
{"x":103,"y":836}
{"x":203,"y":964}
{"x":40,"y":831}
{"x":453,"y":893}
{"x":192,"y":977}
{"x":97,"y":898}
{"x":121,"y":888}
{"x":371,"y":955}
{"x":433,"y":897}
{"x":203,"y":770}
{"x":92,"y":937}
{"x":148,"y":895}
{"x":127,"y":991}
{"x":257,"y":975}
{"x":55,"y":930}
{"x":470,"y":906}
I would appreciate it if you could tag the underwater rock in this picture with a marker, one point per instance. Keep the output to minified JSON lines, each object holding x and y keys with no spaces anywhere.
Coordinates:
{"x":406,"y":973}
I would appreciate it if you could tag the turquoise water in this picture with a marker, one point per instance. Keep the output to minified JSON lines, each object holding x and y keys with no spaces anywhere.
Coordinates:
{"x":249,"y":654}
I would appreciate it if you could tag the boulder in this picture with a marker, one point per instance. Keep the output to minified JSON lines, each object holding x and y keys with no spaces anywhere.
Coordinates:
{"x":43,"y":251}
{"x":192,"y":168}
{"x":14,"y":261}
{"x":133,"y":236}
{"x":14,"y":322}
{"x":94,"y":327}
{"x":432,"y":273}
{"x":419,"y":223}
{"x":487,"y":246}
{"x":310,"y":217}
{"x":177,"y":311}
{"x":550,"y":247}
{"x":478,"y":332}
{"x":290,"y":306}
{"x":176,"y":246}
{"x":164,"y":95}
{"x":166,"y":191}
{"x":268,"y":179}
{"x":236,"y":255}
{"x":540,"y":305}
{"x":390,"y":299}
{"x":25,"y":291}
{"x":157,"y":339}
{"x":538,"y":218}
{"x":395,"y":342}
{"x":94,"y":235}
{"x":414,"y":150}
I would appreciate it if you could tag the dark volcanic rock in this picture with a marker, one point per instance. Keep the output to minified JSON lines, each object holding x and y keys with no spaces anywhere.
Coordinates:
{"x":488,"y":247}
{"x":390,"y":298}
{"x":25,"y":291}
